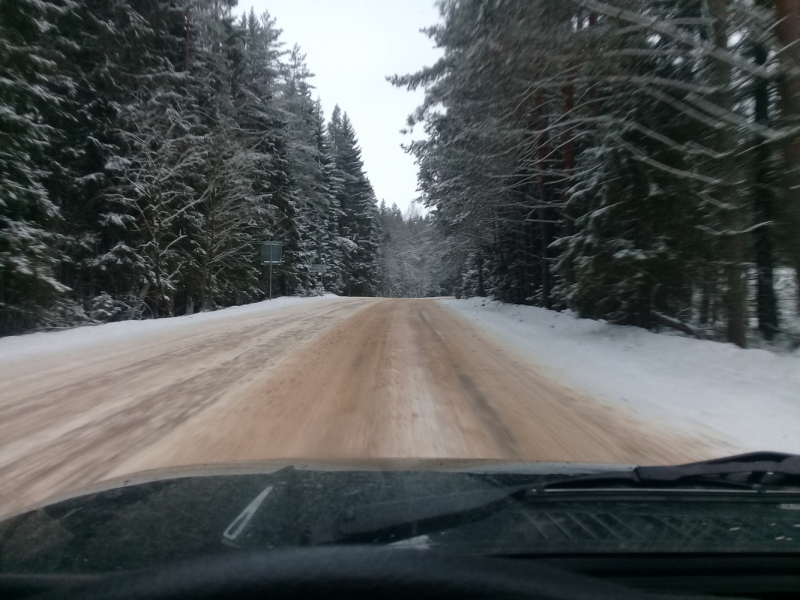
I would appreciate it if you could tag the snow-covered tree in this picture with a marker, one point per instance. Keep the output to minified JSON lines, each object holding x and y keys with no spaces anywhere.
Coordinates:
{"x":615,"y":157}
{"x":150,"y":201}
{"x":27,"y":66}
{"x":358,"y":216}
{"x":148,"y":148}
{"x":413,"y":257}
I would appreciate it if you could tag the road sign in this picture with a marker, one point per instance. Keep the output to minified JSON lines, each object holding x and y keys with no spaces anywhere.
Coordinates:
{"x":271,"y":252}
{"x":319,"y":268}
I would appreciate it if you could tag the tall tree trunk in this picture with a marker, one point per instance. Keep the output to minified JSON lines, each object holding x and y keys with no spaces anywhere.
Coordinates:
{"x":788,"y":31}
{"x":568,"y":154}
{"x":732,"y":214}
{"x":544,"y":233}
{"x":186,"y":42}
{"x":763,"y":210}
{"x":544,"y":191}
{"x":481,"y":290}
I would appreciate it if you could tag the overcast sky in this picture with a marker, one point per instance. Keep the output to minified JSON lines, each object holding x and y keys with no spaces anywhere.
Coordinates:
{"x":351,"y":46}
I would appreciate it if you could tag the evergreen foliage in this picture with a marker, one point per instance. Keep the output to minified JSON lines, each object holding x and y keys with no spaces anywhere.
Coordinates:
{"x":355,"y":202}
{"x":146,"y":150}
{"x":413,"y":262}
{"x":617,"y":158}
{"x":27,"y":214}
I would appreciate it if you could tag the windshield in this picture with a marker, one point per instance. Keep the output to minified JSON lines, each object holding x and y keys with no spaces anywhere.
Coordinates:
{"x":389,"y":235}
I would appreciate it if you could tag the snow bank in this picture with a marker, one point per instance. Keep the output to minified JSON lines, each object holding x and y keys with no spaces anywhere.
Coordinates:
{"x":34,"y":345}
{"x":748,"y":398}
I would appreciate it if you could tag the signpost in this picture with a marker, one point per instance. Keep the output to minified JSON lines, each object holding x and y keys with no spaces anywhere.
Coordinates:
{"x":321,"y":270}
{"x":271,"y":254}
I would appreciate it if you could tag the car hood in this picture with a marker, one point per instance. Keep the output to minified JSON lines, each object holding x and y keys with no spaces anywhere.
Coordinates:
{"x":265,"y":467}
{"x":167,"y":515}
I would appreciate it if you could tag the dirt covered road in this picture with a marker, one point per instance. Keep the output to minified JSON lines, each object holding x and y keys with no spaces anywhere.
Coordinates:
{"x":334,"y":379}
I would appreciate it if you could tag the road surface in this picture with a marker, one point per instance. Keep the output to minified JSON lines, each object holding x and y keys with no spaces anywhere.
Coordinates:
{"x":331,"y":379}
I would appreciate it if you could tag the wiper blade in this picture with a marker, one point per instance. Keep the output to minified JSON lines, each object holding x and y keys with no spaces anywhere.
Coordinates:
{"x":753,"y":463}
{"x":387,"y":521}
{"x":747,"y":471}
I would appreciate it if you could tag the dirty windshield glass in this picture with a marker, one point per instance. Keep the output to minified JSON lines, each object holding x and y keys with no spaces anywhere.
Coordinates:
{"x":333,"y":238}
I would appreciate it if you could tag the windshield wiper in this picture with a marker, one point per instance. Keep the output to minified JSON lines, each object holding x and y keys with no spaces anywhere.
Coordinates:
{"x":389,"y":521}
{"x":386,"y":521}
{"x":753,"y":471}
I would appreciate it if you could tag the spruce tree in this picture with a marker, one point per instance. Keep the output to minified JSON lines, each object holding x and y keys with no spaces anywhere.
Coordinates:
{"x":149,"y":147}
{"x":27,"y":214}
{"x":358,"y":221}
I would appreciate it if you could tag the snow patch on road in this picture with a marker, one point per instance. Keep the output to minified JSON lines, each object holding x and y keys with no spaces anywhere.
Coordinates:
{"x":749,"y":398}
{"x":34,"y":345}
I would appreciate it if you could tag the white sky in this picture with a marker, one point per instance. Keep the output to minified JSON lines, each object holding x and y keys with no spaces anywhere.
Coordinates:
{"x":351,"y":46}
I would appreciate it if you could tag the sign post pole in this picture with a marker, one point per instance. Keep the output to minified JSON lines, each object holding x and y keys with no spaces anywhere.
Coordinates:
{"x":271,"y":253}
{"x":321,"y":270}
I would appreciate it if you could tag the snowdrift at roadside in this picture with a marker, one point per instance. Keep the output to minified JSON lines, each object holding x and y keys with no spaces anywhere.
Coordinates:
{"x":748,"y":398}
{"x":31,"y":345}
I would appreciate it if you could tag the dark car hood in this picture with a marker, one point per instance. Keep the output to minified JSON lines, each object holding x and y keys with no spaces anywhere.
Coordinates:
{"x":172,"y":514}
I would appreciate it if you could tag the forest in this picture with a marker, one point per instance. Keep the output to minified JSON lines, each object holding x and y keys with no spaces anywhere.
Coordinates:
{"x":637,"y":162}
{"x":148,"y":147}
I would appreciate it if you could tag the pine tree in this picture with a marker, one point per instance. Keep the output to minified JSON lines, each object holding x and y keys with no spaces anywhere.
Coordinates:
{"x":787,"y":27}
{"x":763,"y":188}
{"x":148,"y":149}
{"x":413,"y":262}
{"x":311,"y":169}
{"x":149,"y":202}
{"x":27,"y":214}
{"x":591,"y":154}
{"x":329,"y":249}
{"x":311,"y":191}
{"x":118,"y":55}
{"x":358,"y":221}
{"x":233,"y":163}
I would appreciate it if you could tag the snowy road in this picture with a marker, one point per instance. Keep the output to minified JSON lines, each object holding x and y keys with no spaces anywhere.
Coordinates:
{"x":332,"y":378}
